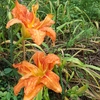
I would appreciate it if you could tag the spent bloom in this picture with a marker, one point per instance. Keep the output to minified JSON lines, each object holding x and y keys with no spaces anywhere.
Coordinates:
{"x":35,"y":77}
{"x":31,"y":25}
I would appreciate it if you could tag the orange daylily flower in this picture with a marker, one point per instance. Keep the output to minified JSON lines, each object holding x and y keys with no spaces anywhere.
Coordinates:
{"x":31,"y":25}
{"x":35,"y":77}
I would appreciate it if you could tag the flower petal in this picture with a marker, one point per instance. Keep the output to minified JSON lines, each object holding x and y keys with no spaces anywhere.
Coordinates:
{"x":12,"y":22}
{"x":35,"y":91}
{"x":30,"y":84}
{"x":51,"y":80}
{"x":47,"y":22}
{"x":26,"y":76}
{"x":26,"y":68}
{"x":22,"y":13}
{"x":51,"y":60}
{"x":38,"y":57}
{"x":18,"y":87}
{"x":50,"y":32}
{"x":18,"y":10}
{"x":37,"y":36}
{"x":35,"y":8}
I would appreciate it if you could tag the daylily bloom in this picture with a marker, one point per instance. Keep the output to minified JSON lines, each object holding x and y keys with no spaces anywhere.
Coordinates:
{"x":35,"y":77}
{"x":31,"y":25}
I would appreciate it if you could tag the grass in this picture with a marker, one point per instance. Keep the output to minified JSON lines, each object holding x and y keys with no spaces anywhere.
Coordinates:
{"x":77,"y":45}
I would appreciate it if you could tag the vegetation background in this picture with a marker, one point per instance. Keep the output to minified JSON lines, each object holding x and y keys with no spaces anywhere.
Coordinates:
{"x":77,"y":44}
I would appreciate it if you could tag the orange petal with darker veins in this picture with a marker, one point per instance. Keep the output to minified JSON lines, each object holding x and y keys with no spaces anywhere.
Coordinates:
{"x":22,"y":13}
{"x":38,"y":57}
{"x":18,"y":87}
{"x":26,"y":68}
{"x":35,"y":91}
{"x":51,"y":60}
{"x":50,"y":32}
{"x":30,"y":84}
{"x":37,"y":36}
{"x":51,"y":80}
{"x":19,"y":10}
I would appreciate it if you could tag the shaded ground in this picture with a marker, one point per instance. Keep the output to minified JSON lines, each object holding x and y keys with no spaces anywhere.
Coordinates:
{"x":88,"y":53}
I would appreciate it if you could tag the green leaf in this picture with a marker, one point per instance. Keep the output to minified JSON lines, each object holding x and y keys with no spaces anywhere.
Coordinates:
{"x":71,"y":76}
{"x":82,"y":89}
{"x":46,"y":94}
{"x":74,"y":60}
{"x":39,"y":95}
{"x":45,"y":45}
{"x":14,"y":98}
{"x":1,"y":94}
{"x":8,"y":96}
{"x":92,"y":67}
{"x":7,"y":70}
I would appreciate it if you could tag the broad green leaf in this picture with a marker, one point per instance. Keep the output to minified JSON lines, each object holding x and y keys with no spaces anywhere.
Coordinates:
{"x":8,"y":96}
{"x":14,"y":97}
{"x":7,"y":70}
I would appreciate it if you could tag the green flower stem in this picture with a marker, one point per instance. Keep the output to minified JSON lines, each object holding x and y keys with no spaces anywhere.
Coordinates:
{"x":11,"y":45}
{"x":24,"y":51}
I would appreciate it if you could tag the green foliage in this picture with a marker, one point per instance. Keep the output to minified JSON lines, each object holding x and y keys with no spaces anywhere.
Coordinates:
{"x":75,"y":92}
{"x":76,"y":23}
{"x":7,"y":95}
{"x":46,"y":94}
{"x":91,"y":7}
